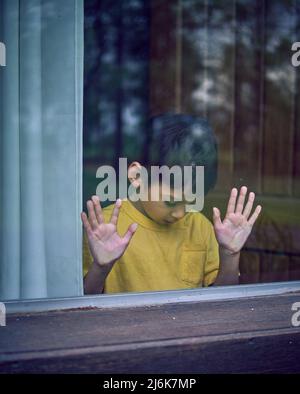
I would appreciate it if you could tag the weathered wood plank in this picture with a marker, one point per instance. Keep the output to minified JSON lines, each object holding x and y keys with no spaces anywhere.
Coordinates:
{"x":221,"y":65}
{"x":294,"y":268}
{"x":241,"y":355}
{"x":248,"y":113}
{"x":249,"y":267}
{"x":194,"y":56}
{"x":278,"y":126}
{"x":229,"y":336}
{"x":163,"y":35}
{"x":208,"y":73}
{"x":296,"y":156}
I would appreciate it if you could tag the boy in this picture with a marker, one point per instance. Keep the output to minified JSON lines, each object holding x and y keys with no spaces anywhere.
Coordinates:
{"x":139,"y":245}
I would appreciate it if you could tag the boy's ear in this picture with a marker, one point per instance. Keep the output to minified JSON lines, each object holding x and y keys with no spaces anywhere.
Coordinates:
{"x":134,"y":174}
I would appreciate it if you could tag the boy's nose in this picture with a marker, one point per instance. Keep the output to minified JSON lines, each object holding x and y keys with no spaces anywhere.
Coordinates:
{"x":179,"y":212}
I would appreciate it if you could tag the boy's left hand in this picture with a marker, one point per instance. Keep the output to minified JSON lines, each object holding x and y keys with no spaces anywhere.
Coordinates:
{"x":233,"y":231}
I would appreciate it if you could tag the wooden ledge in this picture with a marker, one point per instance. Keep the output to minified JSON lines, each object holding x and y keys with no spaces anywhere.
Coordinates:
{"x":233,"y":336}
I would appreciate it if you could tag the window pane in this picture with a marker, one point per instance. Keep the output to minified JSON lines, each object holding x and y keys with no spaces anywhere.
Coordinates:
{"x":226,"y":61}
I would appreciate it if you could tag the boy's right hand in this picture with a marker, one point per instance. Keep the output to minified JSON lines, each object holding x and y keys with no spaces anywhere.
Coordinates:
{"x":105,"y":244}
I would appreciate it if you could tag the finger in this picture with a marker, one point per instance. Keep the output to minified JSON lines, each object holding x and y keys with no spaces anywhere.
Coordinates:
{"x":115,"y":214}
{"x":129,"y":233}
{"x":241,"y":200}
{"x":92,"y":216}
{"x":253,"y":218}
{"x":86,"y":223}
{"x":98,"y":209}
{"x":216,"y":217}
{"x":232,"y":200}
{"x":249,"y":205}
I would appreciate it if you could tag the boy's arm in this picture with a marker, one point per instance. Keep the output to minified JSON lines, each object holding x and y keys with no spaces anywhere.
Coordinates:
{"x":229,"y":269}
{"x":105,"y":244}
{"x":232,"y":234}
{"x":94,"y":280}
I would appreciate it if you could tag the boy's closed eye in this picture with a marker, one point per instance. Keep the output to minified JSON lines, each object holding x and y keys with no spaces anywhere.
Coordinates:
{"x":172,"y":204}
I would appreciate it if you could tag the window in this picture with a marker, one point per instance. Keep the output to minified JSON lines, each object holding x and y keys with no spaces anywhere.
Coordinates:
{"x":227,"y":61}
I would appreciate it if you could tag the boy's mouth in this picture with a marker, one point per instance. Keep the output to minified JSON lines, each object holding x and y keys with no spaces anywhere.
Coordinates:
{"x":170,"y":221}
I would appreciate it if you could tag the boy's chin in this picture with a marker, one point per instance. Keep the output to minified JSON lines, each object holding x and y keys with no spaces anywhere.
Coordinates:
{"x":161,"y":221}
{"x":167,"y":222}
{"x":170,"y":221}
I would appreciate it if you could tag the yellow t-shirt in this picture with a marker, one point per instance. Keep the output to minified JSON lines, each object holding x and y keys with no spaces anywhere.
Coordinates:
{"x":181,"y":255}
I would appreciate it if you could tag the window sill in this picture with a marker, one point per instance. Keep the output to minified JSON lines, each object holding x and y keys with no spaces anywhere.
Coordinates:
{"x":127,"y":300}
{"x":226,"y":329}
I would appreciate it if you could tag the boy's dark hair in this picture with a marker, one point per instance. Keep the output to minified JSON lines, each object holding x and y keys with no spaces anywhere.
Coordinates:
{"x":183,"y":140}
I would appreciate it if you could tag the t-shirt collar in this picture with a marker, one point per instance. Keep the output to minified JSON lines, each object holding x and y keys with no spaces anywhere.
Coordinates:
{"x":144,"y":221}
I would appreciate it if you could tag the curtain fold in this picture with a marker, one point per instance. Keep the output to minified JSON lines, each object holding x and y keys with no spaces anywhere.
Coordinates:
{"x":41,"y":148}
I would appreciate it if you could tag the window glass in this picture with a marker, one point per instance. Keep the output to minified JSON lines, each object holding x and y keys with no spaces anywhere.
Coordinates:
{"x":229,"y":62}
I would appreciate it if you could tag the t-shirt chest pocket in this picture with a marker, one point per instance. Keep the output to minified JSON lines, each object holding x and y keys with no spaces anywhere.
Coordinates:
{"x":192,"y":263}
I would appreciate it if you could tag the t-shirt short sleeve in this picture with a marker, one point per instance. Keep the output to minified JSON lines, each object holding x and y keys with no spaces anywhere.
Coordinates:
{"x":184,"y":255}
{"x":211,"y":268}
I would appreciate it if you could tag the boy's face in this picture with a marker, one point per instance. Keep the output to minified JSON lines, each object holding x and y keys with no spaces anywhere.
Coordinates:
{"x":169,"y":205}
{"x":162,"y":211}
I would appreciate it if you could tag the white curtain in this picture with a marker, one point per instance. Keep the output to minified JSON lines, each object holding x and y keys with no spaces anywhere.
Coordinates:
{"x":41,"y":148}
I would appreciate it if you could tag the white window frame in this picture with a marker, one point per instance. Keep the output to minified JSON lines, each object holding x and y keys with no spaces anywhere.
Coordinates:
{"x":126,"y":300}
